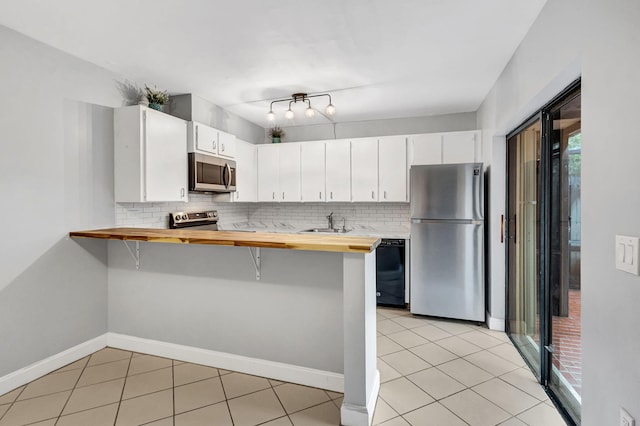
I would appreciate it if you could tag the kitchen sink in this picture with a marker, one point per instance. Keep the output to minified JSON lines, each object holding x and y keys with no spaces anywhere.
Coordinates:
{"x":327,"y":230}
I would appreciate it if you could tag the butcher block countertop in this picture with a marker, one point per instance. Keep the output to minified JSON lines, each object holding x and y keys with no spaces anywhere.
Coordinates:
{"x":313,"y":242}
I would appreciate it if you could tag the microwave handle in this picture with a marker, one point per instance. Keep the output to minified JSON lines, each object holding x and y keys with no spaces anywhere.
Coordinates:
{"x":226,"y":173}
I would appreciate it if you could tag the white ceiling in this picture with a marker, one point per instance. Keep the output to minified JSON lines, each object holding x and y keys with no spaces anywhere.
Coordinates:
{"x":377,"y":58}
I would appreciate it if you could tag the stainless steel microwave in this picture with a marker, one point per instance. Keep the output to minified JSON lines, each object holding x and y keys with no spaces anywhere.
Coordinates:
{"x":211,"y":174}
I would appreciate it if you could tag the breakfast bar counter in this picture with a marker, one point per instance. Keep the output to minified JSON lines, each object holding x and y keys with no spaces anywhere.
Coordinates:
{"x":299,"y":308}
{"x":313,"y":242}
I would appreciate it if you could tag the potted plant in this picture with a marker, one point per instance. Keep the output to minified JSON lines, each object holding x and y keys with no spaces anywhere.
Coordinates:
{"x":156,"y":97}
{"x":276,"y":134}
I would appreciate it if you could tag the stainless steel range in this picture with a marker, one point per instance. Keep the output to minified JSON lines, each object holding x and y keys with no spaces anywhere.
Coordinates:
{"x":201,"y":221}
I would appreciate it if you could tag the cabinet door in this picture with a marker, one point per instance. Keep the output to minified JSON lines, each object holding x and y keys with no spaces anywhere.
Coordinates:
{"x":268,"y":172}
{"x":338,"y":170}
{"x":364,"y":169}
{"x":392,"y":170}
{"x":289,"y":176}
{"x":226,"y":145}
{"x":246,"y":172}
{"x":426,"y":149}
{"x":206,"y":139}
{"x":459,"y":147}
{"x":165,"y":167}
{"x":312,"y":169}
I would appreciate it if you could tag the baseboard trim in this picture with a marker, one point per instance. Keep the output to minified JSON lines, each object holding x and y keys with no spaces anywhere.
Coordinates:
{"x":257,"y":367}
{"x":38,"y":369}
{"x":497,"y":324}
{"x":352,"y":415}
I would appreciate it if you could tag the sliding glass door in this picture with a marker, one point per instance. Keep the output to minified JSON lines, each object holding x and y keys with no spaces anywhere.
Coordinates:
{"x":564,"y":350}
{"x":543,"y":247}
{"x":524,"y":241}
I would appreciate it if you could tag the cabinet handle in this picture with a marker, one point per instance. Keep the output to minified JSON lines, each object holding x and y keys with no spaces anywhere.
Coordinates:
{"x":222,"y":147}
{"x":320,"y":195}
{"x":273,"y":195}
{"x":373,"y":195}
{"x":331,"y":195}
{"x":214,"y":144}
{"x":385,"y":195}
{"x":181,"y":192}
{"x":283,"y":195}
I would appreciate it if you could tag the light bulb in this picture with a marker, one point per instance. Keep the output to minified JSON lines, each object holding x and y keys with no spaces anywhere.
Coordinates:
{"x":330,"y":109}
{"x":289,"y":114}
{"x":271,"y":116}
{"x":309,"y":112}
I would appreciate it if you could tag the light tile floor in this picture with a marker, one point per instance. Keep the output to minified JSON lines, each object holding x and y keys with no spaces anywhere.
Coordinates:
{"x":433,"y":372}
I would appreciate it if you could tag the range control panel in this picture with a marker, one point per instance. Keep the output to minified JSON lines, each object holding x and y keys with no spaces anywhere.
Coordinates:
{"x":187,"y":219}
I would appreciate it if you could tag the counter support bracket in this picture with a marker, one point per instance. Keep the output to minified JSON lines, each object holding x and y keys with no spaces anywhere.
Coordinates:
{"x":136,"y":256}
{"x":256,"y":261}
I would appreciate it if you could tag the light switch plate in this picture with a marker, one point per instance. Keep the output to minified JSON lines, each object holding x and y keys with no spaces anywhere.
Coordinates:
{"x":627,"y":254}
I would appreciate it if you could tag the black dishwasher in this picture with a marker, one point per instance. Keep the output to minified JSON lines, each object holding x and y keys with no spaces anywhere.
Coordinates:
{"x":390,"y":272}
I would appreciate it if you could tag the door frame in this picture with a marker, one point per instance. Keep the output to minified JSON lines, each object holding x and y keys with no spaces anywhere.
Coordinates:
{"x":544,"y":275}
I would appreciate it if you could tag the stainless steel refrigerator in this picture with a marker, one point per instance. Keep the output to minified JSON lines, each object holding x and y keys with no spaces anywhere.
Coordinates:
{"x":447,"y":241}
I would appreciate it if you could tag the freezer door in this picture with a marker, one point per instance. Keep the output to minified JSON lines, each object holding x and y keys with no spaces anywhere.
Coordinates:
{"x":447,"y":191}
{"x":447,"y":269}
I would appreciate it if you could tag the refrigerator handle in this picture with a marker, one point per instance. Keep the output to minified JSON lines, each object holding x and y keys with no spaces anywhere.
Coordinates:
{"x":501,"y":228}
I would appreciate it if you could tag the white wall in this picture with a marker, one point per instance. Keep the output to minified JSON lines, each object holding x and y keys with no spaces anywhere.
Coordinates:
{"x":208,"y":297}
{"x":56,"y":174}
{"x":396,"y":126}
{"x":547,"y":60}
{"x":599,"y":40}
{"x":610,"y":206}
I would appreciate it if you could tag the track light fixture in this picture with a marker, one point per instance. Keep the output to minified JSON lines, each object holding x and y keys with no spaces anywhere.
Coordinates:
{"x":301,"y":97}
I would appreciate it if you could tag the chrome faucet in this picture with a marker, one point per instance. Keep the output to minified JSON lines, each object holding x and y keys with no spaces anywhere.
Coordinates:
{"x":330,"y":219}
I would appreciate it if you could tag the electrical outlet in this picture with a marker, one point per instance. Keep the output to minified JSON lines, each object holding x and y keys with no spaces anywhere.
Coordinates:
{"x":626,"y":419}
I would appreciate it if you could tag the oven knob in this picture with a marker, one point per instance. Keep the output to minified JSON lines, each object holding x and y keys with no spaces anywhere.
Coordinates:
{"x":210,"y":214}
{"x":184,"y":217}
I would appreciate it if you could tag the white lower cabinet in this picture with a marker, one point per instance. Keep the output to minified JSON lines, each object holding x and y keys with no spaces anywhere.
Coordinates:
{"x":247,"y":172}
{"x":150,"y":156}
{"x":279,"y":172}
{"x":364,"y":169}
{"x":312,"y":171}
{"x":338,"y":170}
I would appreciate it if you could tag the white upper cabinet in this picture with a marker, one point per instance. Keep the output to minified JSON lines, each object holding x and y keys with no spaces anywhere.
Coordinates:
{"x":207,"y":140}
{"x":426,"y":149}
{"x":268,"y":166}
{"x":392,"y":169}
{"x":460,"y":147}
{"x":338,"y":170}
{"x":150,"y":156}
{"x":247,"y":172}
{"x":289,"y":177}
{"x":364,"y":169}
{"x":226,"y":144}
{"x":445,"y":148}
{"x":312,"y":171}
{"x":279,"y":172}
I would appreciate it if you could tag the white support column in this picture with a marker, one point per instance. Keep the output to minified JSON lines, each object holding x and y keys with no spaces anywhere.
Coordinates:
{"x":361,"y":377}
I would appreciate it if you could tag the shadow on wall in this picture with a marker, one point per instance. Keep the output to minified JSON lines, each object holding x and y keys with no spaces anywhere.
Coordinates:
{"x":58,"y":302}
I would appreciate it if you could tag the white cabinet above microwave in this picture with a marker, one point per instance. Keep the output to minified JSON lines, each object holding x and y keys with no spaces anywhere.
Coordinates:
{"x":207,"y":140}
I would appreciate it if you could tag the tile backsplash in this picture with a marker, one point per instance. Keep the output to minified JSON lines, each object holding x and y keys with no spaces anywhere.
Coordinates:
{"x":315,"y":214}
{"x":156,"y":215}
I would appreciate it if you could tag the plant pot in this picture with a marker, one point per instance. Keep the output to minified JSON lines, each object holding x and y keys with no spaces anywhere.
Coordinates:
{"x":275,"y":140}
{"x":157,"y":107}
